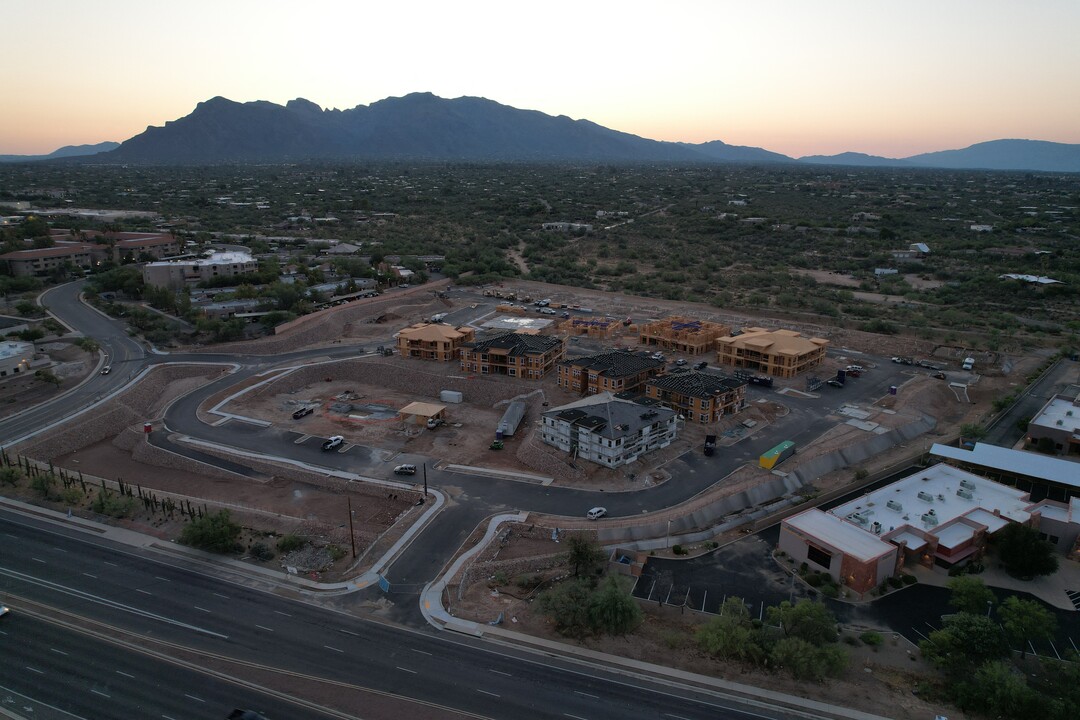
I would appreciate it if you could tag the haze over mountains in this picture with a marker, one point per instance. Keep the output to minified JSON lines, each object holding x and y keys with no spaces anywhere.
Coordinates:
{"x":424,"y":127}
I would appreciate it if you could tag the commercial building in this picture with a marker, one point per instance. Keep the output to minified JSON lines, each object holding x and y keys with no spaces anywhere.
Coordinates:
{"x":1059,"y":422}
{"x":1041,"y":475}
{"x":40,"y":262}
{"x":181,"y":273}
{"x":606,"y":430}
{"x":433,"y":341}
{"x":780,"y":353}
{"x":683,"y":335}
{"x":525,"y":356}
{"x":699,"y":397}
{"x":940,"y":516}
{"x":616,"y":371}
{"x":15,"y":357}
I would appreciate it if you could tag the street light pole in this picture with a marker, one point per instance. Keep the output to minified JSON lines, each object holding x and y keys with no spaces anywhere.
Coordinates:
{"x":352,"y":535}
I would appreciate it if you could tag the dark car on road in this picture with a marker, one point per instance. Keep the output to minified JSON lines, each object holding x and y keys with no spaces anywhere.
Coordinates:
{"x":302,"y":412}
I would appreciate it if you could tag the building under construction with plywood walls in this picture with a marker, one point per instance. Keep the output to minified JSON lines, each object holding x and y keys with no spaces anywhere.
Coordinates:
{"x":603,"y":328}
{"x":683,"y":335}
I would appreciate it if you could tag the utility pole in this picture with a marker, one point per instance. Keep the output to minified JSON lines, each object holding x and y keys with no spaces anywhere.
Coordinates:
{"x":425,"y":480}
{"x":352,"y":535}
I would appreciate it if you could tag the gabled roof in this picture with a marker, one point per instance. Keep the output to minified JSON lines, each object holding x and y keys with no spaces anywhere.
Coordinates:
{"x":696,"y":384}
{"x":517,"y":344}
{"x":609,"y":417}
{"x":614,"y":364}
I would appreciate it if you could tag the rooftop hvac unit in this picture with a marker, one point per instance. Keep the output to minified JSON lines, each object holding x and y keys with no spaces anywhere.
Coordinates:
{"x":967,"y":484}
{"x":857,"y":518}
{"x":965,"y":493}
{"x":929,"y":519}
{"x":925,"y":497}
{"x":875,"y":528}
{"x":893,"y":505}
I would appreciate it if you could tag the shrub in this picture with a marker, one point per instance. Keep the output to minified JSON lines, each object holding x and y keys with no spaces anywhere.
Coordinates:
{"x":113,"y":504}
{"x":290,"y":542}
{"x":261,"y":552}
{"x":830,"y":590}
{"x":336,"y":552}
{"x":71,"y":495}
{"x":909,"y":579}
{"x":214,"y":533}
{"x":895,"y":582}
{"x":678,"y":550}
{"x":873,"y":639}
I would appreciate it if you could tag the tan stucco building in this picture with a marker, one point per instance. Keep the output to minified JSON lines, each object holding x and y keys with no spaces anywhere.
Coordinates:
{"x":433,"y":341}
{"x":780,"y":353}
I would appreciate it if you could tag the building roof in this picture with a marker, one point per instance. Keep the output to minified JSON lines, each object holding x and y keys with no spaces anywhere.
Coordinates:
{"x":432,"y":332}
{"x":14,"y":349}
{"x":517,"y":344}
{"x":217,"y":258}
{"x":910,"y":500}
{"x":1017,"y":462}
{"x":517,"y":322}
{"x":148,"y":241}
{"x":1061,"y":412}
{"x":840,"y":535}
{"x":776,"y":342}
{"x":696,"y":384}
{"x":615,"y":364}
{"x":422,"y":409}
{"x":610,"y":417}
{"x":1036,"y":279}
{"x":58,"y":251}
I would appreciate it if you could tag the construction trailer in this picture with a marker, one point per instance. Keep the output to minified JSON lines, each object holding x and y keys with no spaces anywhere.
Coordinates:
{"x":771,"y":458}
{"x":683,"y":335}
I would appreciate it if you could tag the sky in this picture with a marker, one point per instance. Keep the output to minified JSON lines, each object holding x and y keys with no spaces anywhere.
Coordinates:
{"x":797,"y":77}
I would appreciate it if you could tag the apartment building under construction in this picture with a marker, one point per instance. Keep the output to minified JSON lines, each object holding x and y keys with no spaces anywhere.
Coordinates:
{"x":780,"y":353}
{"x":683,"y":335}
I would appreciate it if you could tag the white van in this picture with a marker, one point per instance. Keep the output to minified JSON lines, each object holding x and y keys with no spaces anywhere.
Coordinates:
{"x":969,"y":363}
{"x":596,"y":513}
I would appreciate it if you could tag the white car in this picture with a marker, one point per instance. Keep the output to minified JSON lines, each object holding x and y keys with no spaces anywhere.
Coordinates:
{"x":4,"y":610}
{"x":596,"y":513}
{"x":332,"y":442}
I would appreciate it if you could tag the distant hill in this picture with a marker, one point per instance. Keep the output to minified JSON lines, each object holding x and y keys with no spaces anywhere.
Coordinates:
{"x":1006,"y":155}
{"x":854,"y":159}
{"x":717,"y":150}
{"x":64,"y":152}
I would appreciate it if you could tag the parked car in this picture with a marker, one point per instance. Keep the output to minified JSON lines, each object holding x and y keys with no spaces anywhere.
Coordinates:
{"x":835,"y":383}
{"x":302,"y":412}
{"x":680,"y":362}
{"x":332,"y":442}
{"x":547,"y":311}
{"x":596,"y":513}
{"x":939,"y":375}
{"x":701,"y":365}
{"x":405,"y":470}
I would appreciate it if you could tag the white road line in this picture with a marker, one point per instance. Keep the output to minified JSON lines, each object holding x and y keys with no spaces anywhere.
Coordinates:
{"x":348,"y":632}
{"x":12,"y":536}
{"x":32,"y":669}
{"x":158,"y":577}
{"x":487,"y":693}
{"x":98,"y":692}
{"x":226,"y":597}
{"x":283,"y":613}
{"x":90,"y":576}
{"x":334,"y":649}
{"x":168,"y":717}
{"x":194,"y":698}
{"x":500,"y":672}
{"x":121,"y":672}
{"x":263,"y":627}
{"x":202,"y":609}
{"x":59,"y":549}
{"x":39,"y":560}
{"x":676,"y":717}
{"x":58,"y":652}
{"x":106,"y":562}
{"x":576,"y":717}
{"x":414,"y":672}
{"x":420,"y":651}
{"x":144,"y":592}
{"x":585,"y":694}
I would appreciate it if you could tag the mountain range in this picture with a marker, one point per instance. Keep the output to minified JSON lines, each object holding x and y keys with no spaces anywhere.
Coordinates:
{"x":424,"y":127}
{"x":64,"y":152}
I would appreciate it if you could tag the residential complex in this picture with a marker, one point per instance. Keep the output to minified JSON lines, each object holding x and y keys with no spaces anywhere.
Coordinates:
{"x":434,"y":341}
{"x":940,"y":516}
{"x":683,"y":335}
{"x":606,"y":430}
{"x":42,"y":261}
{"x":181,"y":273}
{"x":780,"y":353}
{"x":699,"y":397}
{"x":515,"y":354}
{"x":616,"y":371}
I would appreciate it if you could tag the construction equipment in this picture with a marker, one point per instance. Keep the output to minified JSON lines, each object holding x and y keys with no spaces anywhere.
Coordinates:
{"x":496,"y":445}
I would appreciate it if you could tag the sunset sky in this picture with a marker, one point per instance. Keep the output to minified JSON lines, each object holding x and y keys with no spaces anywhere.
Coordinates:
{"x":797,"y":77}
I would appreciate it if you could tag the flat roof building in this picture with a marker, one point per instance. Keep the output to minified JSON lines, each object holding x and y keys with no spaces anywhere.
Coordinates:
{"x":180,"y":273}
{"x":1041,"y":475}
{"x":1059,"y":422}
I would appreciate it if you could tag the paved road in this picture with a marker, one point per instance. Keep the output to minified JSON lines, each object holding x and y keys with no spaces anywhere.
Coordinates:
{"x":165,"y":601}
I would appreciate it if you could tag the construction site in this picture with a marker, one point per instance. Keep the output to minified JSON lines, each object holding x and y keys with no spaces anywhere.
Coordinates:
{"x":683,"y":335}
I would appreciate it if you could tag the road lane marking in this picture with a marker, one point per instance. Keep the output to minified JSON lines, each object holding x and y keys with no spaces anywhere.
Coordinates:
{"x":158,"y":577}
{"x":194,"y":698}
{"x":263,"y":627}
{"x":98,"y":692}
{"x":202,"y":609}
{"x":414,"y":672}
{"x":348,"y":632}
{"x":226,"y":597}
{"x":168,"y":717}
{"x":420,"y":651}
{"x":121,"y":672}
{"x":58,"y":652}
{"x":106,"y":562}
{"x":12,"y":536}
{"x":500,"y":672}
{"x":585,"y":694}
{"x":39,"y":560}
{"x":334,"y":649}
{"x":90,"y":576}
{"x":487,"y":693}
{"x":59,"y":549}
{"x":31,"y":669}
{"x":283,"y":613}
{"x":144,"y":592}
{"x":576,"y":717}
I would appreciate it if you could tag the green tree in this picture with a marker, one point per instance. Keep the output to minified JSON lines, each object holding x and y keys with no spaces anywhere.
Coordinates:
{"x":47,"y":376}
{"x":10,"y":476}
{"x":1026,"y":620}
{"x":586,"y":559}
{"x":212,"y":532}
{"x":731,"y":634}
{"x":567,"y":605}
{"x":807,"y":661}
{"x":969,"y":594}
{"x":612,"y":609}
{"x":1024,"y":554}
{"x":806,"y":619}
{"x":998,"y":690}
{"x":26,"y":308}
{"x":966,"y":642}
